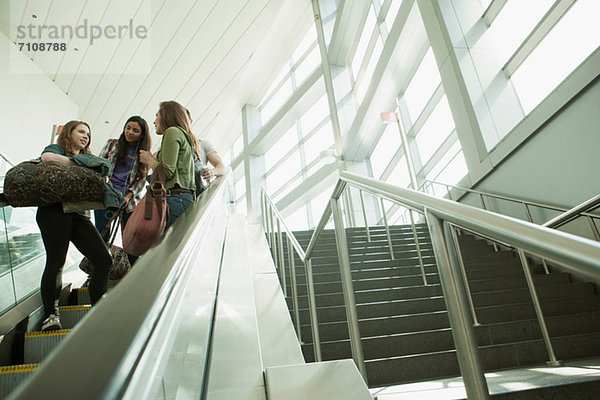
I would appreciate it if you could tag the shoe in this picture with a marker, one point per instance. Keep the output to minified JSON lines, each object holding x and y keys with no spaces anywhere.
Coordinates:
{"x":52,"y":323}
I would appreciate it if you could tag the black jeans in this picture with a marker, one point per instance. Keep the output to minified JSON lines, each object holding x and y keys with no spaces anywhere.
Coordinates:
{"x":58,"y":229}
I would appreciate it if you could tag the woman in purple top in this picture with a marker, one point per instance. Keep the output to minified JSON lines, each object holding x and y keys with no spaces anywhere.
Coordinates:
{"x":126,"y":173}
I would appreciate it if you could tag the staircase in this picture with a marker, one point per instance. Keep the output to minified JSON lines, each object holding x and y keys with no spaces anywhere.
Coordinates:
{"x":32,"y":347}
{"x":404,"y":326}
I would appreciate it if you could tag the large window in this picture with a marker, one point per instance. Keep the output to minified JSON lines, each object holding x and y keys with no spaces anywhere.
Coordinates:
{"x":569,"y":43}
{"x":385,"y":149}
{"x":435,"y":130}
{"x":421,"y":87}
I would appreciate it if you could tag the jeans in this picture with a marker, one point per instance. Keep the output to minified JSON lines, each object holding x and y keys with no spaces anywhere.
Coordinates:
{"x":101,"y":218}
{"x":178,"y":203}
{"x":58,"y":229}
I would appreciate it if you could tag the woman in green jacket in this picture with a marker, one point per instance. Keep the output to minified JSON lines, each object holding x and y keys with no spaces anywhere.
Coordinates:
{"x":176,"y":155}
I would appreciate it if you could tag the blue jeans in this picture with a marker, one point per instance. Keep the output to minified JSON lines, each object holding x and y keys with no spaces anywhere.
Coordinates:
{"x":178,"y":203}
{"x":101,"y":218}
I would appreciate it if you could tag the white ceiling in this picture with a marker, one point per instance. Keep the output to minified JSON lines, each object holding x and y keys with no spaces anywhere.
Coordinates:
{"x":212,"y":56}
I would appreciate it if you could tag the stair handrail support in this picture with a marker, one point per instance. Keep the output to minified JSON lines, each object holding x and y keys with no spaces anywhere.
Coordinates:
{"x":451,"y":281}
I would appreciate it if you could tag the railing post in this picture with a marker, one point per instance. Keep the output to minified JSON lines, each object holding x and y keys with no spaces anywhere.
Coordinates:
{"x":292,"y":262}
{"x":538,"y":310}
{"x":485,"y":208}
{"x":418,"y":246}
{"x":312,"y":310}
{"x":594,"y":228}
{"x":364,"y":212}
{"x":271,"y":229}
{"x":348,"y":288}
{"x":281,"y":259}
{"x":458,"y":313}
{"x":263,"y":210}
{"x":387,"y":231}
{"x":449,"y":190}
{"x":348,"y":208}
{"x":464,"y":275}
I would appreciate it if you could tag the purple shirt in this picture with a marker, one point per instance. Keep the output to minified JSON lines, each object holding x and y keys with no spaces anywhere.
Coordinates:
{"x":120,"y":176}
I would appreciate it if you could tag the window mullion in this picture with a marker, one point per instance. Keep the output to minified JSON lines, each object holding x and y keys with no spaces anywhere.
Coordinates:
{"x":558,"y":9}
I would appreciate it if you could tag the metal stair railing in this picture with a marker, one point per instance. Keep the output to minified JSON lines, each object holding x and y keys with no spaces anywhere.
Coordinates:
{"x":566,"y":216}
{"x":443,"y":217}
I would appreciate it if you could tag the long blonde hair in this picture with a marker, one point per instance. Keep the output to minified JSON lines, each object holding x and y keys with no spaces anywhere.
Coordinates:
{"x":171,"y":113}
{"x":64,"y":137}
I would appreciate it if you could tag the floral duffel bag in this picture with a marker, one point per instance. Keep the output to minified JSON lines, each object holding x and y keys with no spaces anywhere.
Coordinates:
{"x":38,"y":183}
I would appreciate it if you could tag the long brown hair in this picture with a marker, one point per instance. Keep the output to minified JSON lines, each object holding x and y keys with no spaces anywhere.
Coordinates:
{"x":64,"y":137}
{"x":171,"y":113}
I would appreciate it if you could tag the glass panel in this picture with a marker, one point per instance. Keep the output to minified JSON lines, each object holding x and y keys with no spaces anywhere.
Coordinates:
{"x":363,"y":44}
{"x":514,"y":23}
{"x":451,"y":168}
{"x":240,"y":188}
{"x":435,"y":130}
{"x":315,"y":115}
{"x":319,"y":141}
{"x":281,"y":147}
{"x":238,"y":146}
{"x":309,"y":39}
{"x":278,"y":99}
{"x":318,"y":205}
{"x":297,"y":221}
{"x":286,"y":170}
{"x":280,"y":77}
{"x":421,"y":87}
{"x":571,"y":41}
{"x":391,"y":14}
{"x":366,"y":78}
{"x":24,"y":252}
{"x":289,"y":186}
{"x":399,"y":176}
{"x":308,"y":65}
{"x":385,"y":149}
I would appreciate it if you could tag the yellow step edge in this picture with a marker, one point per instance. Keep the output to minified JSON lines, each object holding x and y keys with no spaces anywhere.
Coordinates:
{"x":59,"y":332}
{"x":82,"y":289}
{"x":73,"y":308}
{"x":15,"y":369}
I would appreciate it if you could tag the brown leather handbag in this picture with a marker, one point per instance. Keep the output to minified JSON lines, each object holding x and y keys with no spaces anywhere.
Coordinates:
{"x":146,"y":224}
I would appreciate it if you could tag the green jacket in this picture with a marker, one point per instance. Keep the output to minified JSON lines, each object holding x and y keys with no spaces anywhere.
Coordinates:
{"x":176,"y":157}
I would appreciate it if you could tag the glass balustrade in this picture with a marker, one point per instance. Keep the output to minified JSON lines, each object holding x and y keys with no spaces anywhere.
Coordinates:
{"x":22,"y":255}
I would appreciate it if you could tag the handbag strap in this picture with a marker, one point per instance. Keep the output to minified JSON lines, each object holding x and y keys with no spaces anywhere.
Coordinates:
{"x":112,"y":226}
{"x":156,"y":192}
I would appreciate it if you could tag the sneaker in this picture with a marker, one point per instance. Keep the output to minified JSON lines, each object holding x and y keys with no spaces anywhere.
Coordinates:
{"x":52,"y":323}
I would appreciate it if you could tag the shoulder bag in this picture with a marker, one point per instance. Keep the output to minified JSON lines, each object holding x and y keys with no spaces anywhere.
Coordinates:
{"x":147,"y":222}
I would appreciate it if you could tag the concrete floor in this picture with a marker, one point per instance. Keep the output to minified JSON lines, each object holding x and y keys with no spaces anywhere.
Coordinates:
{"x":498,"y":382}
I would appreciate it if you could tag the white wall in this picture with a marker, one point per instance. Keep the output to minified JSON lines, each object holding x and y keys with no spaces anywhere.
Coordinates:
{"x":559,"y":164}
{"x":30,"y":103}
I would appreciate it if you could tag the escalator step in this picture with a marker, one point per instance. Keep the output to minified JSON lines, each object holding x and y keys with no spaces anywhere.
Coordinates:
{"x":71,"y":315}
{"x":39,"y":344}
{"x":11,"y":376}
{"x":83,"y":296}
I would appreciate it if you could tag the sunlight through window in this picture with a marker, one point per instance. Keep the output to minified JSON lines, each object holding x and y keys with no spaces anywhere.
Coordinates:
{"x":421,"y":87}
{"x":571,"y":41}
